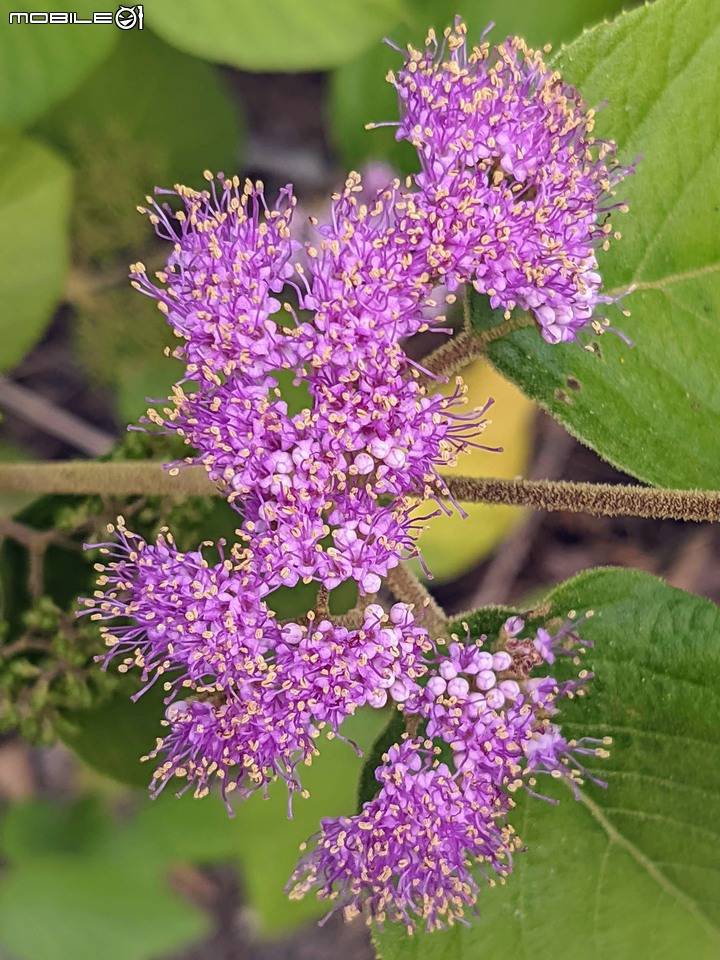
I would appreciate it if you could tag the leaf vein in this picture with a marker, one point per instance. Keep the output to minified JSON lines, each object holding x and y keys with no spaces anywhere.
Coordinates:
{"x":650,"y":867}
{"x":661,"y":818}
{"x":662,"y":282}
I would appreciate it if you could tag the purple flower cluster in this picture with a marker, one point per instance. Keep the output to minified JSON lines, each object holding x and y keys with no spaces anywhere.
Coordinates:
{"x":439,"y":821}
{"x":409,"y":855}
{"x":261,"y":692}
{"x":516,"y":191}
{"x":512,"y":197}
{"x":307,"y":485}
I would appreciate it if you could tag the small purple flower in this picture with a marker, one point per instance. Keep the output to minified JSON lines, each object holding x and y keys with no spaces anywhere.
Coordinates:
{"x":231,"y":254}
{"x":243,"y":743}
{"x":365,"y":284}
{"x":408,"y":857}
{"x":484,"y":718}
{"x":549,"y":752}
{"x":391,"y":431}
{"x":516,"y":192}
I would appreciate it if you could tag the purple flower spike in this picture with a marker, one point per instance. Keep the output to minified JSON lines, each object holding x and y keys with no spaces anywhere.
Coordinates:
{"x":516,"y":192}
{"x":231,"y":254}
{"x":180,"y":617}
{"x":241,"y":744}
{"x":408,"y":857}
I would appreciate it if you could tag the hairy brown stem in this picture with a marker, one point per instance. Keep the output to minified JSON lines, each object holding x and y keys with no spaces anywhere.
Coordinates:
{"x":147,"y":477}
{"x":322,"y":603}
{"x":597,"y":499}
{"x":353,"y":619}
{"x":110,"y":478}
{"x":466,"y":346}
{"x":456,"y":353}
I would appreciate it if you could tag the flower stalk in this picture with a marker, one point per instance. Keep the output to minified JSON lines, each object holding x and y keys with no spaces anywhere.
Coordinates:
{"x":466,"y":346}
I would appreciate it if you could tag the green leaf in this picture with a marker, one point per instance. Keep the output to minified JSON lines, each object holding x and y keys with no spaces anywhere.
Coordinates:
{"x":279,"y":35}
{"x":35,"y":192}
{"x":36,"y":828}
{"x":42,"y":63}
{"x":654,"y":410}
{"x":630,"y":871}
{"x":359,"y":93}
{"x":94,"y":734}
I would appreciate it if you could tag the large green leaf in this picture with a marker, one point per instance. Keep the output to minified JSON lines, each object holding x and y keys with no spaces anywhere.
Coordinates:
{"x":630,"y":872}
{"x":278,"y":35}
{"x":653,"y":410}
{"x":35,"y":191}
{"x":41,"y":63}
{"x":359,"y":93}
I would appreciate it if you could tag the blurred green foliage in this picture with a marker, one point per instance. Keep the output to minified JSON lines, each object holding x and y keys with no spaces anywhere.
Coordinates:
{"x":166,"y":114}
{"x":40,"y":64}
{"x":138,"y":114}
{"x":82,"y":882}
{"x":279,"y":35}
{"x":125,"y":130}
{"x":35,"y":200}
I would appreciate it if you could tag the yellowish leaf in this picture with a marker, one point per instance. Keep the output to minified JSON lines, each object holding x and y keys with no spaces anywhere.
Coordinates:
{"x":452,"y":545}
